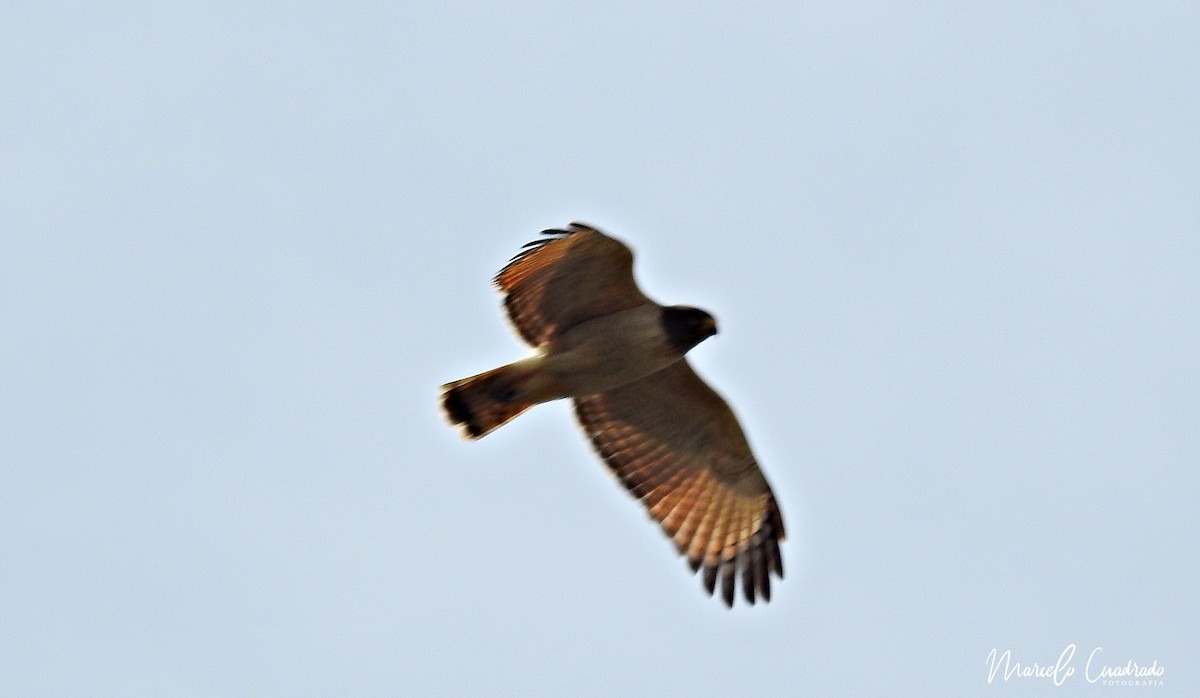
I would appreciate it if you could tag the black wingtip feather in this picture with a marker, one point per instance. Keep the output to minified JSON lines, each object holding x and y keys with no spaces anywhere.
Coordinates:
{"x":728,"y":575}
{"x":531,"y":247}
{"x":774,"y":559}
{"x":751,"y":565}
{"x":752,"y":577}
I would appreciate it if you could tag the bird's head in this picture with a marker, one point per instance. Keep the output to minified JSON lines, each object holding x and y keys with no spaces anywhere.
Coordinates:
{"x":686,"y":326}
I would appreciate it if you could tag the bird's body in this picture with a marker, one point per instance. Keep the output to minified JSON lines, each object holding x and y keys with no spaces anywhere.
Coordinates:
{"x":620,"y":356}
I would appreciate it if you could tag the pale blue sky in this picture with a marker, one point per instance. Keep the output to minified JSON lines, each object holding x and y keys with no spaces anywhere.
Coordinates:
{"x":954,"y":254}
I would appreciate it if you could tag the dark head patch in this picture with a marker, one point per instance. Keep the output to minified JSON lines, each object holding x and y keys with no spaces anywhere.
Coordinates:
{"x":686,"y":327}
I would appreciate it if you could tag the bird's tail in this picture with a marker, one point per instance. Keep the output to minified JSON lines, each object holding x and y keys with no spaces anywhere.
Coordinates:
{"x":484,"y":402}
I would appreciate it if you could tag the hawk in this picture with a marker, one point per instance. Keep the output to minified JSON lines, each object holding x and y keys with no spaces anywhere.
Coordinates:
{"x":619,"y":356}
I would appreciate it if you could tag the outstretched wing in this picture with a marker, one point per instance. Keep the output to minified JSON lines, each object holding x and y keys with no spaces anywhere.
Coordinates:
{"x":677,"y":446}
{"x":568,"y":277}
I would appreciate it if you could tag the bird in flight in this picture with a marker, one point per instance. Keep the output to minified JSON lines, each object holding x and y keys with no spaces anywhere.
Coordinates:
{"x":619,"y":356}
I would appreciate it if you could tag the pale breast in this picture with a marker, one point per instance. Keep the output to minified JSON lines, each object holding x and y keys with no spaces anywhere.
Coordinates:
{"x":609,"y":351}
